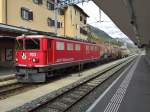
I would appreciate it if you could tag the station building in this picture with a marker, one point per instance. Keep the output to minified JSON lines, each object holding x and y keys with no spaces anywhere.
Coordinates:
{"x":19,"y":17}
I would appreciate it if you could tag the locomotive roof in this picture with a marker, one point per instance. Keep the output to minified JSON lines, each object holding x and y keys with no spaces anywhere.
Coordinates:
{"x":54,"y":37}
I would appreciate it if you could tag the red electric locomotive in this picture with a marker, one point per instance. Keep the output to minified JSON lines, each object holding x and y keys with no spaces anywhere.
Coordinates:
{"x":38,"y":55}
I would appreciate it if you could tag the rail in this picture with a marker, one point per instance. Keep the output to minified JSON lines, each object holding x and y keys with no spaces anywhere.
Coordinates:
{"x":70,"y":97}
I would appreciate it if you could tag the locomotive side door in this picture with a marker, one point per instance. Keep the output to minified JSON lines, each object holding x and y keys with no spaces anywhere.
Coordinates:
{"x":51,"y":51}
{"x":49,"y":46}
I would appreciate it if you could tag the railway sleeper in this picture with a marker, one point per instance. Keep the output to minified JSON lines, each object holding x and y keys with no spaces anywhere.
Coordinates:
{"x":58,"y":105}
{"x":82,"y":92}
{"x":53,"y":110}
{"x":74,"y":96}
{"x":79,"y":93}
{"x":95,"y":82}
{"x":92,"y":85}
{"x":84,"y":89}
{"x":67,"y":100}
{"x":99,"y":80}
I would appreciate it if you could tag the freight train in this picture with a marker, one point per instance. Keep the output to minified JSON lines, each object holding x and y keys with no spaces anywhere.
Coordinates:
{"x":38,"y":55}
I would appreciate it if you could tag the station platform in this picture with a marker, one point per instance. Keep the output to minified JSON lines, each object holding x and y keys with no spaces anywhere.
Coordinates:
{"x":130,"y":92}
{"x":4,"y":71}
{"x":49,"y":90}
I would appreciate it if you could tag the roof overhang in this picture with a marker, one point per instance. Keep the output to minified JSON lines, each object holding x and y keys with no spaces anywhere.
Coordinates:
{"x":131,"y":16}
{"x":13,"y":31}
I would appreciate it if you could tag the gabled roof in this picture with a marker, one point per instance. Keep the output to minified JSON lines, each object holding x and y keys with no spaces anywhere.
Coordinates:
{"x":80,"y":9}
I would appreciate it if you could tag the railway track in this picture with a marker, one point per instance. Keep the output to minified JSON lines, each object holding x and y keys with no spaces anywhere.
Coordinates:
{"x":10,"y":86}
{"x":67,"y":99}
{"x":15,"y":88}
{"x":6,"y":90}
{"x":6,"y":78}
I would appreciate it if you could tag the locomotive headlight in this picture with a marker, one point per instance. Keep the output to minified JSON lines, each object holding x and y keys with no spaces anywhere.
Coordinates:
{"x":16,"y":59}
{"x":35,"y":60}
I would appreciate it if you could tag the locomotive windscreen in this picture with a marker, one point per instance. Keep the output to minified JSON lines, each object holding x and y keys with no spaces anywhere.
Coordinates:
{"x":31,"y":44}
{"x":28,"y":44}
{"x":19,"y":44}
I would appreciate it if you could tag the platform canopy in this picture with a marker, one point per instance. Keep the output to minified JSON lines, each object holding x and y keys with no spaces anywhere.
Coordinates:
{"x":131,"y":16}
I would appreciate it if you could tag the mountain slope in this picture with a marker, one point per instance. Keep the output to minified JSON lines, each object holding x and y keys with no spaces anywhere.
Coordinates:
{"x":99,"y":35}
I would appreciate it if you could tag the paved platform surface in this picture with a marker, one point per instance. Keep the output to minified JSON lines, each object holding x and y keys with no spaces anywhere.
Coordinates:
{"x":20,"y":99}
{"x":4,"y":71}
{"x":128,"y":93}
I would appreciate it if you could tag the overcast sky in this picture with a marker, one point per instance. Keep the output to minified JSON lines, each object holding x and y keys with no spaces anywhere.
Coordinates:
{"x":107,"y":25}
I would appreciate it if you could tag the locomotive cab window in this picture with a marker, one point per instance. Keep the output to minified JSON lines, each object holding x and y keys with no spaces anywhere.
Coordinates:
{"x":32,"y":44}
{"x":19,"y":44}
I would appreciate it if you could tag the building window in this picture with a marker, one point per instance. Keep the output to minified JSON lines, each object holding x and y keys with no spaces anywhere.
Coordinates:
{"x":61,"y":12}
{"x":50,"y":22}
{"x":26,"y":14}
{"x":83,"y":31}
{"x":39,"y":2}
{"x":9,"y":54}
{"x":75,"y":12}
{"x":69,"y":46}
{"x":77,"y":47}
{"x":58,"y":24}
{"x":85,"y":21}
{"x":61,"y":25}
{"x":76,"y":26}
{"x":50,"y":6}
{"x":80,"y":18}
{"x":60,"y":46}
